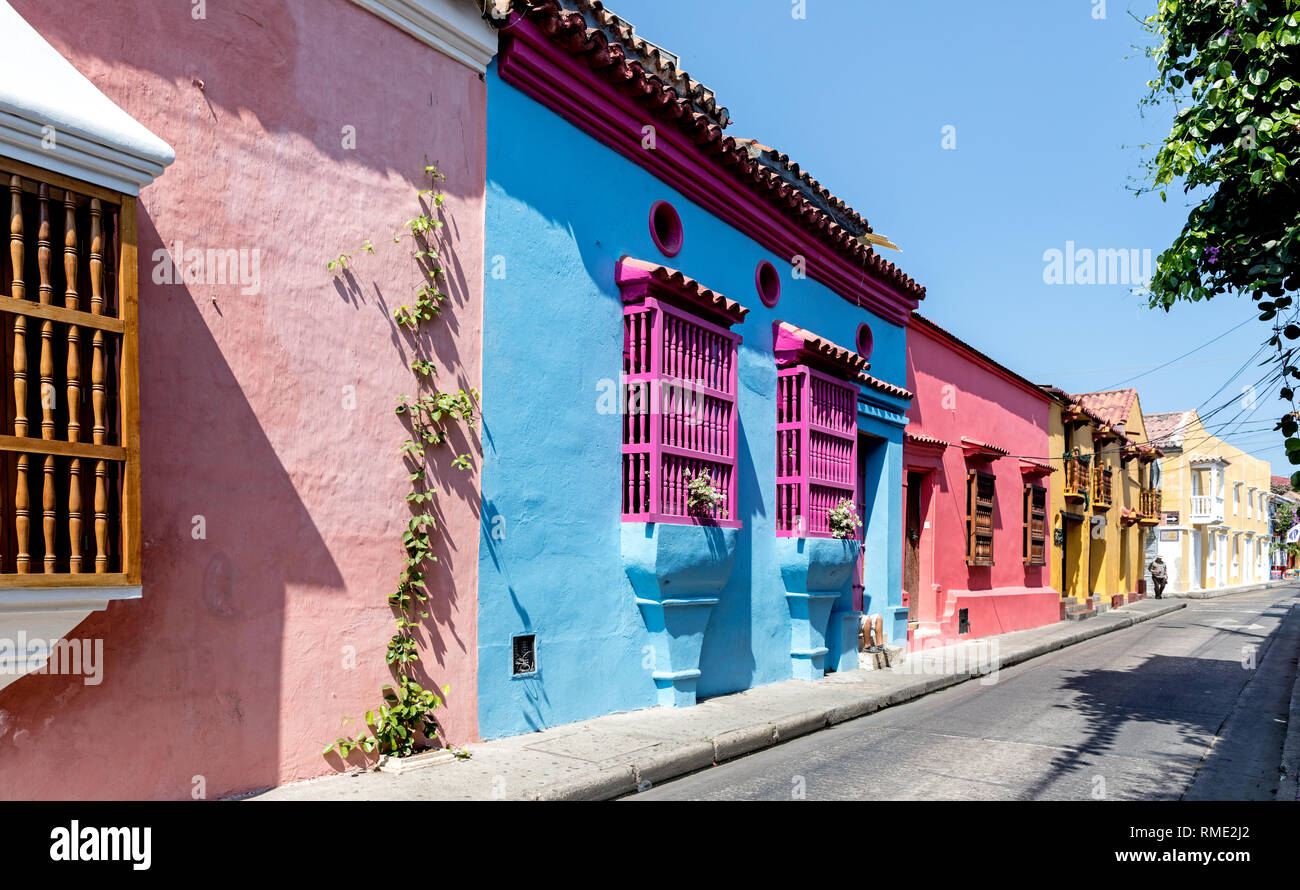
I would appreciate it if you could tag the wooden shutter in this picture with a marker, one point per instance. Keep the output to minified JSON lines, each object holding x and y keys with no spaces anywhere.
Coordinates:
{"x":1024,"y":529}
{"x":1035,"y":532}
{"x":980,"y":494}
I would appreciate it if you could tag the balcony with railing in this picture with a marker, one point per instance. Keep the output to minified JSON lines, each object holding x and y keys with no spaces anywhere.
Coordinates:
{"x":1077,"y":479}
{"x":1151,"y":506}
{"x":1101,"y":488}
{"x":1206,"y":509}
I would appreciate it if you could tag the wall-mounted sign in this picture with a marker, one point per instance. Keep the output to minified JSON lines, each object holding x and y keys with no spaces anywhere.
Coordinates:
{"x":1169,"y":536}
{"x":1171,"y":517}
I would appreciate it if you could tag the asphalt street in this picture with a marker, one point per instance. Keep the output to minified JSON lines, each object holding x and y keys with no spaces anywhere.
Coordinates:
{"x":1192,"y":706}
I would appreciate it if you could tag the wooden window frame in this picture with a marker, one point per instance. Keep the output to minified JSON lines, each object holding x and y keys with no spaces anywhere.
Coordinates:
{"x":973,"y":478}
{"x":1032,"y":511}
{"x":99,"y":337}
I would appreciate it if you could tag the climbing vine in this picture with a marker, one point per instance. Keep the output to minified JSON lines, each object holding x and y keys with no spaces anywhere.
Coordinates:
{"x":408,"y":710}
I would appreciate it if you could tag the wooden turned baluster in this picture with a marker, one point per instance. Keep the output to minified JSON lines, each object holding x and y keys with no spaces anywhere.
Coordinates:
{"x":49,"y":517}
{"x":72,"y":300}
{"x":45,"y":295}
{"x":17,"y":255}
{"x":98,"y":391}
{"x":101,"y":517}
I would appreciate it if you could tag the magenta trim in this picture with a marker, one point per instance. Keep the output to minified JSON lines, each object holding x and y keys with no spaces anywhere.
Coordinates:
{"x":769,"y":292}
{"x":664,"y":215}
{"x":636,"y":282}
{"x":864,"y":334}
{"x":814,"y":471}
{"x":565,"y":84}
{"x":671,"y":347}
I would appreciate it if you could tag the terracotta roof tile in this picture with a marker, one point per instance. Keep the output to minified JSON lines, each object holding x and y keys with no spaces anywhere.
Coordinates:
{"x":1167,"y":429}
{"x":833,"y":352}
{"x":664,"y":63}
{"x":926,"y":440}
{"x":883,"y":386}
{"x":1114,"y":406}
{"x":975,"y":446}
{"x":684,"y":284}
{"x":840,"y":211}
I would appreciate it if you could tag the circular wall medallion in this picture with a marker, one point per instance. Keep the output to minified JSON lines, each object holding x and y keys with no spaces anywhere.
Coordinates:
{"x":865,"y":340}
{"x":768,"y":282}
{"x":666,"y":228}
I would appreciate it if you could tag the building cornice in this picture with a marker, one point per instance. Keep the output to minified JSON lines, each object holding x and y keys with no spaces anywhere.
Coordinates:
{"x":53,"y":117}
{"x":455,"y":28}
{"x":705,"y":166}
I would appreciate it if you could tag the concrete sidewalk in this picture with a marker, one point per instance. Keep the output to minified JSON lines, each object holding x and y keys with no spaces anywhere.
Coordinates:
{"x":610,"y":756}
{"x":1213,"y":592}
{"x":1288,"y":787}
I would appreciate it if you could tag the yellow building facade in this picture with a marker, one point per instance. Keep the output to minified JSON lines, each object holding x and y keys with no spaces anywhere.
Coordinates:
{"x":1215,"y":530}
{"x":1106,"y":502}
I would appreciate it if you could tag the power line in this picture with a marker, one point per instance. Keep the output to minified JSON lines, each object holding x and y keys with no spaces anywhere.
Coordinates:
{"x":1181,"y":357}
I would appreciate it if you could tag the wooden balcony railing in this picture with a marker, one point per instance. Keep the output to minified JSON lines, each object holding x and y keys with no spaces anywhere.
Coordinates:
{"x":1150,"y":506}
{"x":1101,"y":488}
{"x":1076,"y":479}
{"x":69,"y":470}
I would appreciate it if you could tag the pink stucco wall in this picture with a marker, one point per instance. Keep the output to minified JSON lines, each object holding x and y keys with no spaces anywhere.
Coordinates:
{"x":959,"y":393}
{"x":236,"y":666}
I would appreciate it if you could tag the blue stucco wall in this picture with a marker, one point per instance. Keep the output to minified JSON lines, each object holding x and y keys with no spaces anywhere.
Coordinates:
{"x":561,"y":209}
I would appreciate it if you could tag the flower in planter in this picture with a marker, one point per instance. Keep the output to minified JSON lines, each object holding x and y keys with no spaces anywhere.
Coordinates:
{"x":702,"y":496}
{"x":843,"y":519}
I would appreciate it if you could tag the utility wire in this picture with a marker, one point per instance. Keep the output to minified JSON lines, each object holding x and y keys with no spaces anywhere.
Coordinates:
{"x":1180,"y":358}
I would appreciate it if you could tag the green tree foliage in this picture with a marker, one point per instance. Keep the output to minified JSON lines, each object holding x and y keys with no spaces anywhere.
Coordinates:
{"x":1283,"y":518}
{"x":1230,"y":67}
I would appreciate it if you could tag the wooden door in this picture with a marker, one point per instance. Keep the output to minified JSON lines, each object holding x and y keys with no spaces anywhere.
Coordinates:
{"x":912,"y":545}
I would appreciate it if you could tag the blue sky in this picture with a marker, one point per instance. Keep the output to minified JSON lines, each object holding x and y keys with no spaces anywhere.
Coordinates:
{"x":1044,"y":99}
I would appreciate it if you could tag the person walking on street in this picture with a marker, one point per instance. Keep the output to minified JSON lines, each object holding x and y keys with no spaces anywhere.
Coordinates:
{"x":1159,"y":575}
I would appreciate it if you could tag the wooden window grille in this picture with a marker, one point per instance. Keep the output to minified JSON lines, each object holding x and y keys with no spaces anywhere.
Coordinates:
{"x":1035,"y":531}
{"x":816,"y":450}
{"x":680,"y":381}
{"x":69,"y":450}
{"x":980,"y":495}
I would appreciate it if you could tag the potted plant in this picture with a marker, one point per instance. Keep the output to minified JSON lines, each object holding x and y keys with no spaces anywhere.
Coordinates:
{"x":702,"y":496}
{"x":843,"y":519}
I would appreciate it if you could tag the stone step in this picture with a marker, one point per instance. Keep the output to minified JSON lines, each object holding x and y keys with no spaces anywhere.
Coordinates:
{"x":1080,"y":615}
{"x":1071,"y":608}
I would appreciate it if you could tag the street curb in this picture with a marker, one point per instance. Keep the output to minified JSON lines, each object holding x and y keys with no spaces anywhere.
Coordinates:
{"x":1216,"y":592}
{"x":685,"y":757}
{"x":1288,"y":786}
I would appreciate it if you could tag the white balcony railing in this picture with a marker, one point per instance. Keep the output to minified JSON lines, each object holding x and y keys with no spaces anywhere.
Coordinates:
{"x":1206,"y":509}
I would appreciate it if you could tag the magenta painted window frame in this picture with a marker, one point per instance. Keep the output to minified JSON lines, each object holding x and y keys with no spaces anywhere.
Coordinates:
{"x":660,"y":441}
{"x":667,"y":249}
{"x":824,"y":465}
